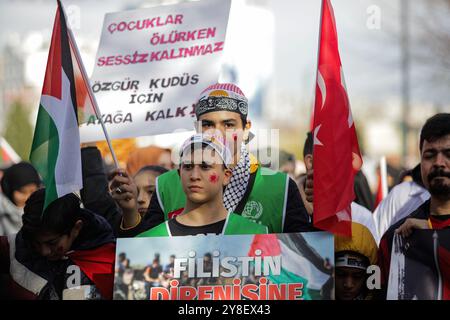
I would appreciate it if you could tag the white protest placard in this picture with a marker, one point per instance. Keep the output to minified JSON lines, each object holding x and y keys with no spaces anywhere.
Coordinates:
{"x":151,"y":66}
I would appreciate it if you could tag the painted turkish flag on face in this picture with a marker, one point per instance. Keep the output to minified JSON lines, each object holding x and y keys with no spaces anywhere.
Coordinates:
{"x":336,"y":152}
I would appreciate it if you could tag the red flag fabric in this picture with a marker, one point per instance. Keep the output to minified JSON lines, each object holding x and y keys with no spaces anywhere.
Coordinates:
{"x":98,"y":265}
{"x":336,"y":152}
{"x":267,"y":243}
{"x":85,"y":104}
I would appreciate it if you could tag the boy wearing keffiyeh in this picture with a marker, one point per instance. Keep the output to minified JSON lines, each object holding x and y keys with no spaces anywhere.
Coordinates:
{"x":259,"y":194}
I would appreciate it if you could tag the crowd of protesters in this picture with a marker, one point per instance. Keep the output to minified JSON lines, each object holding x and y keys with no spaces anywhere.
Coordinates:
{"x":40,"y":251}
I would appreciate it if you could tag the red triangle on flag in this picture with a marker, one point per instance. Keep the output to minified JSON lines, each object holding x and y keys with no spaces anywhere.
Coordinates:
{"x":267,"y":243}
{"x":52,"y":80}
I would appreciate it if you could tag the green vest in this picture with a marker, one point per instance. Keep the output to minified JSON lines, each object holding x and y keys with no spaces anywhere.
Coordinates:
{"x":234,"y":225}
{"x":265,"y":205}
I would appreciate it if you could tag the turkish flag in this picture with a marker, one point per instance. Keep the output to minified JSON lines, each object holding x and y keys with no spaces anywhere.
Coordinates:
{"x":336,"y":152}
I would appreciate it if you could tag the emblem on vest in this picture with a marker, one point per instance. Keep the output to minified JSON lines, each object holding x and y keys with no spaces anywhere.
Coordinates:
{"x":252,"y":210}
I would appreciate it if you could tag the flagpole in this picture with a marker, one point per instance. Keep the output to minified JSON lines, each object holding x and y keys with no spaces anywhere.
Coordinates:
{"x":74,"y":46}
{"x":317,"y":68}
{"x":405,"y":74}
{"x":317,"y":73}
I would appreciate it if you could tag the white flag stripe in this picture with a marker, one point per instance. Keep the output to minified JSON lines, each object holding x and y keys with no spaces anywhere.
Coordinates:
{"x":295,"y":263}
{"x":364,"y":217}
{"x":68,"y":176}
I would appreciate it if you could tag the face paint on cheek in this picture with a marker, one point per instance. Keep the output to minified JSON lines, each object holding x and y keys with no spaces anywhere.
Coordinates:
{"x":234,"y":136}
{"x":213,"y":178}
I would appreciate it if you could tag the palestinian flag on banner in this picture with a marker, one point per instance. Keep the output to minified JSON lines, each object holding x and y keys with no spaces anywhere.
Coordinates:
{"x":420,"y":266}
{"x":7,"y":154}
{"x":84,"y":96}
{"x":300,"y":263}
{"x":55,"y":151}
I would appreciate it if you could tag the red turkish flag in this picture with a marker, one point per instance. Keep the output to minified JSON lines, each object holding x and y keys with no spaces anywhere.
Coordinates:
{"x":380,"y":194}
{"x":336,"y":152}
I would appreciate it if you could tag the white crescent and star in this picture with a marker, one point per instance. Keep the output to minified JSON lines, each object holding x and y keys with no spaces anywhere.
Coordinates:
{"x":322,"y":88}
{"x":316,"y":140}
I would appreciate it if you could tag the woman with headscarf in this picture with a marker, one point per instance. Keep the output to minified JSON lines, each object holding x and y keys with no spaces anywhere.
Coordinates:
{"x":18,"y":183}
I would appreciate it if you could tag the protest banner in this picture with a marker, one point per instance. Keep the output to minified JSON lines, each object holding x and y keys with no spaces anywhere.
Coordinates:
{"x":420,"y":266}
{"x":296,"y":266}
{"x":151,"y":66}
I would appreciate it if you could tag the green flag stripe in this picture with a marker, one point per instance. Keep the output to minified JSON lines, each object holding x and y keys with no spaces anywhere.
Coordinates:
{"x":44,"y":152}
{"x":289,"y":277}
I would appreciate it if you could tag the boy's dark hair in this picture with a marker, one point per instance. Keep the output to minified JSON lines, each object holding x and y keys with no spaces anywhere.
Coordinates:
{"x":157,"y":169}
{"x":435,"y":128}
{"x":59,"y":217}
{"x":308,"y":147}
{"x":244,"y":121}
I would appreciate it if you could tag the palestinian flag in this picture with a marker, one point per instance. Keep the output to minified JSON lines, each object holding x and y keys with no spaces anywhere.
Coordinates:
{"x":7,"y":154}
{"x":300,"y":263}
{"x":420,"y":266}
{"x":55,"y":151}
